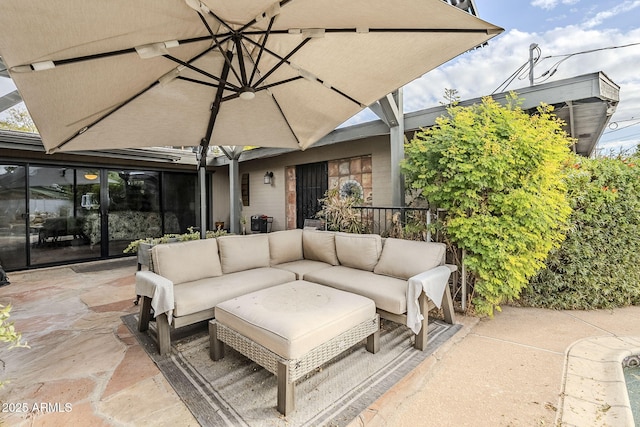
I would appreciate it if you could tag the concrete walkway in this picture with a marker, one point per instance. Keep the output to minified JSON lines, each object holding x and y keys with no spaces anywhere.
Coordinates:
{"x":84,"y":368}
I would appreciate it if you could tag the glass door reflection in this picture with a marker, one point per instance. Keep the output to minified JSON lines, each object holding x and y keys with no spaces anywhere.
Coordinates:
{"x":62,"y":204}
{"x":13,"y":217}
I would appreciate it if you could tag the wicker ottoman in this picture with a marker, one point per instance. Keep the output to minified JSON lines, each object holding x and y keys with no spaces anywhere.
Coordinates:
{"x":293,"y":328}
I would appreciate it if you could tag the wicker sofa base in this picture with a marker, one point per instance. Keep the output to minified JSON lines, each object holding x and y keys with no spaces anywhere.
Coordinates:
{"x":290,"y":370}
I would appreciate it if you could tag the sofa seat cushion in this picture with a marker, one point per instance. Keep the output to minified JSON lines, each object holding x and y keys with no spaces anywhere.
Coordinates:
{"x":302,"y":267}
{"x":187,"y":261}
{"x":239,"y":253}
{"x":406,"y":258}
{"x":389,"y":293}
{"x":294,"y":318}
{"x":204,"y":294}
{"x":285,"y":246}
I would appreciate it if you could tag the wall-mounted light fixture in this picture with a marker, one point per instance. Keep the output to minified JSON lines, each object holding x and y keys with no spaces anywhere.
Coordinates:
{"x":268,"y":178}
{"x":91,"y":176}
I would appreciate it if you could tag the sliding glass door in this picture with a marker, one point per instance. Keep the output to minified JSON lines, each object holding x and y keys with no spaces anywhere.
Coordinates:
{"x":53,"y":214}
{"x":133,"y":208}
{"x":13,"y":217}
{"x":62,"y":202}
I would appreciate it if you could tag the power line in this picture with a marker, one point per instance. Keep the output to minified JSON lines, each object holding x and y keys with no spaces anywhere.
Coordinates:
{"x":552,"y":70}
{"x":617,"y":128}
{"x":509,"y":79}
{"x":523,"y":71}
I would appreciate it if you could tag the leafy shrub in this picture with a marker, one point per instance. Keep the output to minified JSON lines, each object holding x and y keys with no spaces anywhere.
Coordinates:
{"x":498,"y":173}
{"x":414,"y":226}
{"x":191,"y":234}
{"x":8,"y":333}
{"x":598,"y":265}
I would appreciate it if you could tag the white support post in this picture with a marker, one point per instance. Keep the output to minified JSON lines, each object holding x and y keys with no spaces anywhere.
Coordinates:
{"x":390,"y":110}
{"x":202,"y":190}
{"x":234,"y":194}
{"x":397,"y":153}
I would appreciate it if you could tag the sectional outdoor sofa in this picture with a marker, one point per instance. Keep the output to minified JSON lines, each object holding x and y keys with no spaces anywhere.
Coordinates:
{"x":187,"y":280}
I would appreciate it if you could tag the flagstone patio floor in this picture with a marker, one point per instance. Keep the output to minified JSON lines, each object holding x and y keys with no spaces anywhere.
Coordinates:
{"x":84,"y":368}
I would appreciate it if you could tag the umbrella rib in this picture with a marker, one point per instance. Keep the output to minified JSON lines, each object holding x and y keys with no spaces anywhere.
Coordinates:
{"x":270,"y":85}
{"x":296,"y":31}
{"x":261,"y":51}
{"x":85,"y":128}
{"x":286,"y":59}
{"x":420,"y":30}
{"x":338,"y":91}
{"x":269,"y":51}
{"x":200,"y":71}
{"x":230,"y":97}
{"x":243,"y":72}
{"x":264,"y":87}
{"x":286,"y":120}
{"x":215,"y":39}
{"x":220,"y":20}
{"x":117,"y":52}
{"x":282,"y":60}
{"x":200,"y":82}
{"x":254,"y":21}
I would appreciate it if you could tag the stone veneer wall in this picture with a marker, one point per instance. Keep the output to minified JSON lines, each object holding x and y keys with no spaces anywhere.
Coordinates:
{"x":355,"y":168}
{"x":290,"y":177}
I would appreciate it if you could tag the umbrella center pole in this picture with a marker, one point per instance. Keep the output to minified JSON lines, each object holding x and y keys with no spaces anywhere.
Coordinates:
{"x":204,"y":144}
{"x":215,"y":108}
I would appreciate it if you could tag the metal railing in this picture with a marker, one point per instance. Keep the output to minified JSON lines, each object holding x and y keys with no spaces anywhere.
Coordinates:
{"x":414,"y":224}
{"x":394,"y":221}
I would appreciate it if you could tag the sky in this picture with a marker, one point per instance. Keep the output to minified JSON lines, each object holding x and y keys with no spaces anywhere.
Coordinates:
{"x":559,"y":27}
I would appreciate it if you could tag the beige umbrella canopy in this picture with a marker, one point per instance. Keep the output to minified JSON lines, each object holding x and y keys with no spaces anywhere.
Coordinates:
{"x":126,"y":74}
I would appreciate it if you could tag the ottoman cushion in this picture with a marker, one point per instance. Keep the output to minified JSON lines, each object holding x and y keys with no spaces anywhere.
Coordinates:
{"x":294,"y":318}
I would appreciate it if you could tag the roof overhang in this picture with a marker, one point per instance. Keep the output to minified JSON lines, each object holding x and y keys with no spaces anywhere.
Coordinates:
{"x":585,"y":103}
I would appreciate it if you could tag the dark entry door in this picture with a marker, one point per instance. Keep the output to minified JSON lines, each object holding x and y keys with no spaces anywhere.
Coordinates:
{"x":312,"y":182}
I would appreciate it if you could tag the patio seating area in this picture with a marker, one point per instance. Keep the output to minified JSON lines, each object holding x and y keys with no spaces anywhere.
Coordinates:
{"x":189,"y":279}
{"x":505,"y":371}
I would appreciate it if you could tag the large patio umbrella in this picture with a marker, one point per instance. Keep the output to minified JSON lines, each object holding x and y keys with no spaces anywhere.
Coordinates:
{"x":125,"y":74}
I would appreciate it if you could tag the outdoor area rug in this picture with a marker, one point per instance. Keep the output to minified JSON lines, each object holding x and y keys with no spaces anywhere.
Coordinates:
{"x":237,"y":392}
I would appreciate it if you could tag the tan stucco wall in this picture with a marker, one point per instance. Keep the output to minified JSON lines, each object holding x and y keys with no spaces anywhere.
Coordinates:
{"x":270,"y":200}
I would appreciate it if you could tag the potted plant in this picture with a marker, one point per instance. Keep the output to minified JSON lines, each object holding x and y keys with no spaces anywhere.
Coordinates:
{"x":243,"y":223}
{"x":143,"y":246}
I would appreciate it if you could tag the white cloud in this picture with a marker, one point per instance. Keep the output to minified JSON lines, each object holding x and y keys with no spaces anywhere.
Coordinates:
{"x":480,"y":72}
{"x":550,"y":4}
{"x":624,"y":7}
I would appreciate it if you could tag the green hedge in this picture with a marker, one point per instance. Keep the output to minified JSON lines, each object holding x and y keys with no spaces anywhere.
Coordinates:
{"x":598,"y":264}
{"x":498,"y":173}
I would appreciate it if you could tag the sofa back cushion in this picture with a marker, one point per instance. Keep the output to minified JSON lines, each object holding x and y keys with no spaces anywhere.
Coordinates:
{"x":239,"y":253}
{"x":406,"y":258}
{"x":187,"y":261}
{"x":360,"y":251}
{"x":285,"y":246}
{"x":319,"y":246}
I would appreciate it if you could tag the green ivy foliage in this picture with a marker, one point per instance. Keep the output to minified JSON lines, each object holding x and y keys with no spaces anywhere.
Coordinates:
{"x":8,"y":333}
{"x":598,"y":265}
{"x":498,"y":173}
